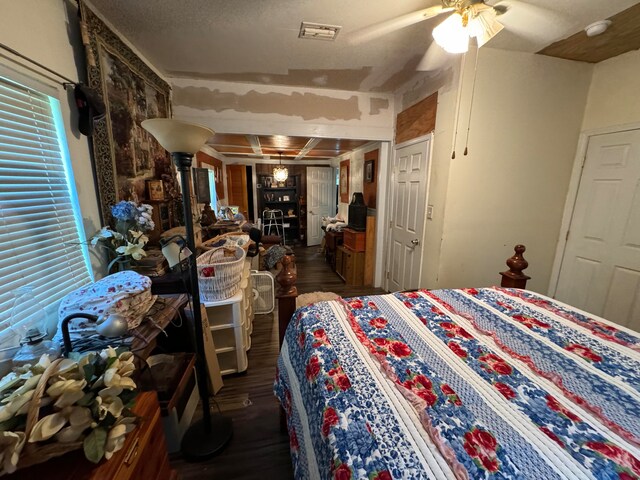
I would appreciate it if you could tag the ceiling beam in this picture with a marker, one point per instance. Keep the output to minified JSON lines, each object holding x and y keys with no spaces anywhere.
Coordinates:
{"x":307,"y":148}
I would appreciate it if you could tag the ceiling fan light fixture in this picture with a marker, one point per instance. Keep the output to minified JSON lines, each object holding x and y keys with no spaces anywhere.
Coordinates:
{"x":482,"y":23}
{"x":452,"y":35}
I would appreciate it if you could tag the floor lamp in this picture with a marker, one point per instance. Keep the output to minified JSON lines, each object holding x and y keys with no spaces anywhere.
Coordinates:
{"x":208,"y":436}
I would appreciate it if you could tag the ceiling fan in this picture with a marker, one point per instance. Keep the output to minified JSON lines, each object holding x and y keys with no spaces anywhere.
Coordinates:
{"x":467,"y":19}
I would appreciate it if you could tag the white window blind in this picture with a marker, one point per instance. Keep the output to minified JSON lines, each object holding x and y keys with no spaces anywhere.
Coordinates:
{"x":40,"y":241}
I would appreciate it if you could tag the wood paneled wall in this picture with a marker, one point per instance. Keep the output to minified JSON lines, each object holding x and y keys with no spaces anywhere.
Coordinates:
{"x":417,"y":120}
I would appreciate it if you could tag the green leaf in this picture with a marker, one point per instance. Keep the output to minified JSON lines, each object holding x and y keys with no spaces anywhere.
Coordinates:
{"x":111,"y":361}
{"x":86,"y":400}
{"x":89,"y":370}
{"x":128,"y":397}
{"x":93,"y":445}
{"x":108,"y":420}
{"x":10,"y":424}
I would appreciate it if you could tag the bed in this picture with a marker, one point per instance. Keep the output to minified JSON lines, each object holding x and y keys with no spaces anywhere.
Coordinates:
{"x":470,"y":383}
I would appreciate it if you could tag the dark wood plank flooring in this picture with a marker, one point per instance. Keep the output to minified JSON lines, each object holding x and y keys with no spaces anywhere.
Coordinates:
{"x":258,"y":448}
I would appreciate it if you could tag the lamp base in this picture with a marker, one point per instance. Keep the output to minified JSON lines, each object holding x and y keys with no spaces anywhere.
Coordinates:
{"x":199,"y":445}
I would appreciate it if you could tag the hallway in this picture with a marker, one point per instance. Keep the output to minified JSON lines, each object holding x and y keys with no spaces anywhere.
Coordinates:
{"x":258,"y":448}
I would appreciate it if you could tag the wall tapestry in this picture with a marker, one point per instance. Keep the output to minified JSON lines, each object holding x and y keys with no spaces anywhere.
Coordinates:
{"x":126,"y":157}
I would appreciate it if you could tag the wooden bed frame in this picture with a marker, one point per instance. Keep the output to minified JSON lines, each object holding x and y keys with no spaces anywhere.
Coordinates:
{"x":287,"y":291}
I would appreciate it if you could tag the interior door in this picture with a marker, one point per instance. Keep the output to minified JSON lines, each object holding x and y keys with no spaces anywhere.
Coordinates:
{"x":238,"y":188}
{"x":600,"y":270}
{"x":318,"y":201}
{"x":409,"y":199}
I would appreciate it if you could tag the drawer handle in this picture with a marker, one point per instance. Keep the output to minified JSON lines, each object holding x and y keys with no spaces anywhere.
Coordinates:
{"x":132,"y":453}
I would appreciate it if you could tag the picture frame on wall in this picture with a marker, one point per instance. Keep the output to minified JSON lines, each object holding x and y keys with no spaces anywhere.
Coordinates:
{"x":369,"y":171}
{"x":344,"y":181}
{"x":155,"y":189}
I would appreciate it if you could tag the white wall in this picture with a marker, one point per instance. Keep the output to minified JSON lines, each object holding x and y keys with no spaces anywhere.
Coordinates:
{"x":614,"y":97}
{"x":46,"y":30}
{"x":446,"y":83}
{"x":511,"y":188}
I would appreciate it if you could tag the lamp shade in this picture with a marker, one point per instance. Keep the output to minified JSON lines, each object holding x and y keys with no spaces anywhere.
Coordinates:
{"x":452,"y":35}
{"x":176,"y":135}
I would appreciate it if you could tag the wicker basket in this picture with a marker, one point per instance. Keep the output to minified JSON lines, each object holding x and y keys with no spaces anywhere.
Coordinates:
{"x":34,"y":453}
{"x":227,"y":273}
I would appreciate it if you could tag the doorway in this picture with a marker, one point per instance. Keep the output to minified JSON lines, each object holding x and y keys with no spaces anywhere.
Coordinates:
{"x":409,"y":182}
{"x":600,"y":266}
{"x":319,"y":201}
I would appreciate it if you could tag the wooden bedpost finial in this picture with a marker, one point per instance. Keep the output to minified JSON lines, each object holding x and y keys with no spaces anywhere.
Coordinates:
{"x":286,"y":292}
{"x":514,"y":278}
{"x":287,"y":277}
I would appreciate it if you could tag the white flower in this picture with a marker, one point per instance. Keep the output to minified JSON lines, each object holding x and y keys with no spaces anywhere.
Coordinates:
{"x":139,"y":237}
{"x":11,"y":444}
{"x":133,"y":249}
{"x":116,"y":436}
{"x":104,"y":234}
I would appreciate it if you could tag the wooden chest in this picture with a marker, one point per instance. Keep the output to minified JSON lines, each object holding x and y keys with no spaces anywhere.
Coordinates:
{"x":354,"y":240}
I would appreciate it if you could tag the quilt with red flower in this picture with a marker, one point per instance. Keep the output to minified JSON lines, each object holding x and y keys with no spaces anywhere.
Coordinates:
{"x":453,"y":384}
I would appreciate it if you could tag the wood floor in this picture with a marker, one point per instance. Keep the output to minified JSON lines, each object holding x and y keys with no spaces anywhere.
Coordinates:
{"x":258,"y":448}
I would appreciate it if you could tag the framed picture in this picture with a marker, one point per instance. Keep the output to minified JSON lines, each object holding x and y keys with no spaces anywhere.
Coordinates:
{"x":344,"y":181}
{"x":201,"y":176}
{"x":267,"y":182}
{"x":285,"y":198}
{"x":369,"y":171}
{"x":156,"y":190}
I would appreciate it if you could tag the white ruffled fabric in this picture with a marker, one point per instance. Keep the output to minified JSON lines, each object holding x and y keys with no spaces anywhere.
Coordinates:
{"x":124,"y":293}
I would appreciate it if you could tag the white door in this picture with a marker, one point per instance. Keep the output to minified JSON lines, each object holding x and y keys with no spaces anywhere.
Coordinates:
{"x":409,"y":182}
{"x":318,"y":201}
{"x":600,"y":270}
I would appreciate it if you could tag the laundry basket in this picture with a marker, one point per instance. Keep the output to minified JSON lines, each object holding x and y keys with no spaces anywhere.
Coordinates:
{"x":220,"y":272}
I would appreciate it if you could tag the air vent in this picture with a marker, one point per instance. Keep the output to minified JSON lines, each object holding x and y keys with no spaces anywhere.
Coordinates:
{"x":317,"y":31}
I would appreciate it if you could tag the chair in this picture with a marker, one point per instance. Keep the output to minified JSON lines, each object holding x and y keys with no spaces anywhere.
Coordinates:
{"x":273,"y":219}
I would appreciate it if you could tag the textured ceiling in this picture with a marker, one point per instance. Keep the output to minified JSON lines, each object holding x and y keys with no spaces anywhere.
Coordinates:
{"x":257,"y":40}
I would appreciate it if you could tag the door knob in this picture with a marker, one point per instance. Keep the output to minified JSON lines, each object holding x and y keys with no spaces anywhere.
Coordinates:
{"x":414,"y":243}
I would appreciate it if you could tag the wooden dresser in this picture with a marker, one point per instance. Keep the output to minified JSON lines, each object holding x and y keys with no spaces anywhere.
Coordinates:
{"x":350,"y":265}
{"x":144,"y":455}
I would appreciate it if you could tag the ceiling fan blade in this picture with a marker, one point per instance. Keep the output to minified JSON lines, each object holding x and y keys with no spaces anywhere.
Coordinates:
{"x":533,"y":23}
{"x":435,"y":58}
{"x":380,"y":29}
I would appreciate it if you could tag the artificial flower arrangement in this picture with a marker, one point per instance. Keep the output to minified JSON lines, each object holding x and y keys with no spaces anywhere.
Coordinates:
{"x":128,"y":239}
{"x":87,"y":400}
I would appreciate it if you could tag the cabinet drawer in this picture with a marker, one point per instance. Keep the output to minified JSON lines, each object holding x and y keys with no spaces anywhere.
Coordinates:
{"x":354,"y":240}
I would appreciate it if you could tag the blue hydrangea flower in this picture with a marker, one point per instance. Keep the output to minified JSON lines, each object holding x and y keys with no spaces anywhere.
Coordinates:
{"x":124,"y":211}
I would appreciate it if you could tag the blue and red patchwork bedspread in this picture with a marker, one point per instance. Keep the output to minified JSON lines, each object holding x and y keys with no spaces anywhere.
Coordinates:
{"x":454,"y":384}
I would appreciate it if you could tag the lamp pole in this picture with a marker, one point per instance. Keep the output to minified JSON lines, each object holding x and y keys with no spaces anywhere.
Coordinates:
{"x":211,"y":434}
{"x":208,"y":436}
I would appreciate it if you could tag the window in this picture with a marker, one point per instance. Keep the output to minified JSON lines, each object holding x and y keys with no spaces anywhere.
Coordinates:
{"x":41,"y":232}
{"x":212,"y":190}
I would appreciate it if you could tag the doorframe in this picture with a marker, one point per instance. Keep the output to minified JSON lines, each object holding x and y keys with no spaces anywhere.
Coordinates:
{"x":389,"y":203}
{"x":572,"y":195}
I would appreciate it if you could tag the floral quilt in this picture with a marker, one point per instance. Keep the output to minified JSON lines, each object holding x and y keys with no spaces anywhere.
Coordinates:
{"x":459,"y":384}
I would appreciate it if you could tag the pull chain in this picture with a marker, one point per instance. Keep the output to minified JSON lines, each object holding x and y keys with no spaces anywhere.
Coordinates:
{"x":473,"y":92}
{"x":457,"y":118}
